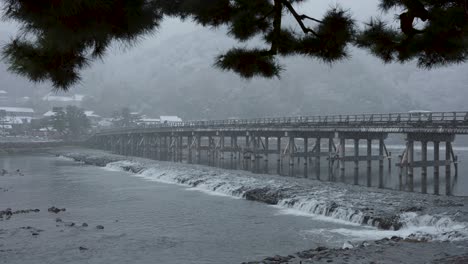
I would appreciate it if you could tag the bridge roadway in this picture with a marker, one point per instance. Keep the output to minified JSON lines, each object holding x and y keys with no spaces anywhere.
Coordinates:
{"x":249,"y":142}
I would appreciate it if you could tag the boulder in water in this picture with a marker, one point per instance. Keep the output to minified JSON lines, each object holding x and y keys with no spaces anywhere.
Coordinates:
{"x":264,"y":195}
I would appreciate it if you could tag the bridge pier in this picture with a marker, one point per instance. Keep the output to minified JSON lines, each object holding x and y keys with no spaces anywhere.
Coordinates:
{"x":169,"y":142}
{"x":436,"y":167}
{"x":221,"y":153}
{"x":342,"y":157}
{"x":381,"y":162}
{"x":409,"y":163}
{"x":236,"y":152}
{"x":291,"y":156}
{"x":266,"y":148}
{"x":318,"y":153}
{"x":331,"y":144}
{"x":448,"y":172}
{"x":356,"y":161}
{"x":424,"y":168}
{"x":278,"y":161}
{"x":369,"y":162}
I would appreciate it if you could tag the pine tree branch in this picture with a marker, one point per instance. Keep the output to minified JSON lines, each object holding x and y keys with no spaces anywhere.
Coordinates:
{"x":311,"y":18}
{"x":278,"y":10}
{"x":266,"y":15}
{"x":299,"y":18}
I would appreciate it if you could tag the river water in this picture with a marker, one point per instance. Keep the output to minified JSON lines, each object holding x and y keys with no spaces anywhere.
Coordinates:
{"x":144,"y":221}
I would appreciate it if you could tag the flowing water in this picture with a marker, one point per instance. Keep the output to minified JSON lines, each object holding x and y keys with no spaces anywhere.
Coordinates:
{"x":155,"y":215}
{"x":145,"y":221}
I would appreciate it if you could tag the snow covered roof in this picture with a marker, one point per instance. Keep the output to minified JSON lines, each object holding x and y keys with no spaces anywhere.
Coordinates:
{"x":49,"y":113}
{"x":59,"y":98}
{"x":90,"y":114}
{"x":149,"y":120}
{"x":170,"y":119}
{"x":17,"y":109}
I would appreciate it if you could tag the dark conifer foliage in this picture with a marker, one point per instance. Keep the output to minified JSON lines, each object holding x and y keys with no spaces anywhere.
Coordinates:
{"x":60,"y":37}
{"x":432,"y":31}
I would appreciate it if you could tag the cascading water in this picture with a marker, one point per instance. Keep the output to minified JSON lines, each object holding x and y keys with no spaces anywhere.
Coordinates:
{"x":333,"y":202}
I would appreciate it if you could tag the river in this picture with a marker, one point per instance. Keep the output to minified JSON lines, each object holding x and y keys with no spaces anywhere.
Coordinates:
{"x":144,"y":221}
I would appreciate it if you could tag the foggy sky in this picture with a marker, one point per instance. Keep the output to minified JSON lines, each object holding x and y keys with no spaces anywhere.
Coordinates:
{"x":171,"y":71}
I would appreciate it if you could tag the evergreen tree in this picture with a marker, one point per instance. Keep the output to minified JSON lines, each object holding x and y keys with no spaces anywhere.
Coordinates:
{"x":77,"y":122}
{"x":59,"y":121}
{"x":59,"y":38}
{"x":71,"y":123}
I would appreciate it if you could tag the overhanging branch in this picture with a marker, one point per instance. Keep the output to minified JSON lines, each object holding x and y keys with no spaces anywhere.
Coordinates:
{"x":299,"y":18}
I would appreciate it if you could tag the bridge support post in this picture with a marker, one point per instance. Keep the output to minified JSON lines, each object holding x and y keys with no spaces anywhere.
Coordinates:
{"x":342,"y":157}
{"x":181,"y":149}
{"x":369,"y":162}
{"x":247,"y":147}
{"x":189,"y":149}
{"x":381,"y":162}
{"x":235,"y":152}
{"x":291,"y":157}
{"x":318,"y":150}
{"x":221,"y":150}
{"x":155,"y":147}
{"x":448,"y":172}
{"x":159,"y":146}
{"x":253,"y":156}
{"x":410,"y":165}
{"x":278,"y":161}
{"x":210,"y":151}
{"x":424,"y":167}
{"x":267,"y":149}
{"x":197,"y":150}
{"x":436,"y":168}
{"x":145,"y":146}
{"x":330,"y":156}
{"x":166,"y":148}
{"x":306,"y":156}
{"x":356,"y":161}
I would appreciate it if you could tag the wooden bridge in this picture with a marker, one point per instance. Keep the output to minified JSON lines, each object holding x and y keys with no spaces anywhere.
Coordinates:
{"x":250,"y":144}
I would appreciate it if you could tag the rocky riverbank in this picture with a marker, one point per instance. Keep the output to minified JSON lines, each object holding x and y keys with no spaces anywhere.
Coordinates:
{"x":384,"y":251}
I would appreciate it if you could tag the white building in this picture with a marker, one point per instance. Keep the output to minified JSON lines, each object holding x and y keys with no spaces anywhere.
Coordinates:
{"x":15,"y":115}
{"x":170,"y":119}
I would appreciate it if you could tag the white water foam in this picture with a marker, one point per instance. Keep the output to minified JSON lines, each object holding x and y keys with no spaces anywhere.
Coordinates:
{"x":232,"y":184}
{"x":61,"y":157}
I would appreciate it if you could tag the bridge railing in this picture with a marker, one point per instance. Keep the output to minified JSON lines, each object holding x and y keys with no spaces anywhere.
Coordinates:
{"x":429,"y":119}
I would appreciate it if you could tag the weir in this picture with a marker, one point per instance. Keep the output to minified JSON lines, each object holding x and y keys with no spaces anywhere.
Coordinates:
{"x":302,"y":143}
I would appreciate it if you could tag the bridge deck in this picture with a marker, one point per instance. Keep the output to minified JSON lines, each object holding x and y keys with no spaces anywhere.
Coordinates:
{"x":436,"y":122}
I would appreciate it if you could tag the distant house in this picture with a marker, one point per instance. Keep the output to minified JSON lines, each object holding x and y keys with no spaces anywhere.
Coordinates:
{"x":149,"y":121}
{"x":170,"y":119}
{"x":106,"y":122}
{"x":18,"y":111}
{"x":11,"y":116}
{"x":94,"y":118}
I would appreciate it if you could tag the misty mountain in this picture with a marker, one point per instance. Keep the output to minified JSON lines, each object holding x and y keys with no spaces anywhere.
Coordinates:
{"x":174,"y":75}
